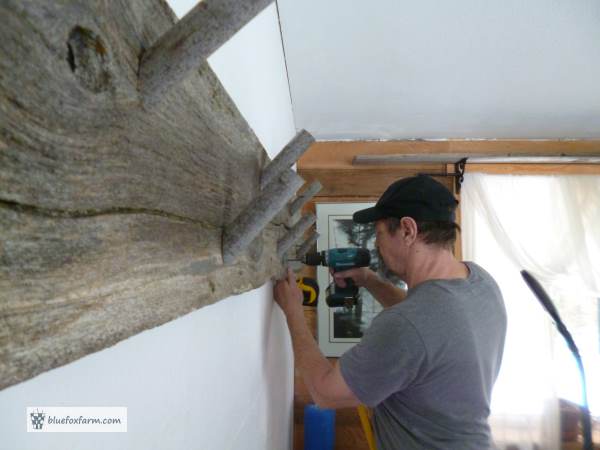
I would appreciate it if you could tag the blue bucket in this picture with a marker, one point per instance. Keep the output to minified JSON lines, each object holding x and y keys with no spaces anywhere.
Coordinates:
{"x":319,"y":428}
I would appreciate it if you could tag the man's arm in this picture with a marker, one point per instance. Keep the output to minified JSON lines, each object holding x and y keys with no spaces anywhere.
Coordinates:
{"x":325,"y":383}
{"x":383,"y":291}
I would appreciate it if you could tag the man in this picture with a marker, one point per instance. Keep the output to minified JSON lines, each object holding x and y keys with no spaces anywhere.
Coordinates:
{"x":428,"y":362}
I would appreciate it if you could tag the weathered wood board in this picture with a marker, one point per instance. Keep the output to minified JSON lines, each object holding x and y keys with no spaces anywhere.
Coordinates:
{"x":111,"y":213}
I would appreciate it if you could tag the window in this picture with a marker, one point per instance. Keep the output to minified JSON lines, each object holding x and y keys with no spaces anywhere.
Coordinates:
{"x":548,"y":225}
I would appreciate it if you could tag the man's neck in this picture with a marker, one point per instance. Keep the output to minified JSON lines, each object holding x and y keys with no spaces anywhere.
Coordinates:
{"x":429,"y":262}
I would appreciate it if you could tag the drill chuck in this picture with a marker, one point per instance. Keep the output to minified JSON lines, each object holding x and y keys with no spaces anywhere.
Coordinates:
{"x":314,"y":259}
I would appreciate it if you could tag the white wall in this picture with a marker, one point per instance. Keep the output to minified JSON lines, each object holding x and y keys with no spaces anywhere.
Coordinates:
{"x":219,"y":378}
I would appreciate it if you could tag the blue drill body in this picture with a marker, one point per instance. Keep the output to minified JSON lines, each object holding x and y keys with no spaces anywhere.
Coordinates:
{"x":340,"y":259}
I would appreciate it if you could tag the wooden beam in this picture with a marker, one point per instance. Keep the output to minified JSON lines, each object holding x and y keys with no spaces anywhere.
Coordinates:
{"x":190,"y":42}
{"x":111,"y":216}
{"x":364,"y":183}
{"x":341,"y":154}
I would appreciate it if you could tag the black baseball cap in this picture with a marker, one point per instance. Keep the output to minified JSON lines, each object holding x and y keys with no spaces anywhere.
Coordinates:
{"x":419,"y":197}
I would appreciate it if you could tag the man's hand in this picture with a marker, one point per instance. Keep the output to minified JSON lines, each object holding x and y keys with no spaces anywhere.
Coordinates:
{"x":325,"y":383}
{"x":288,"y":295}
{"x":382,"y":290}
{"x":360,"y":275}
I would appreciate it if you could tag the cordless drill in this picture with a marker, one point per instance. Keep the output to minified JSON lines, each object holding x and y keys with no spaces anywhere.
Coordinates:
{"x":340,"y":259}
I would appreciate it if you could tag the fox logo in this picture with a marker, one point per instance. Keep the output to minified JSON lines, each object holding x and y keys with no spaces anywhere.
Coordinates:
{"x":37,"y":419}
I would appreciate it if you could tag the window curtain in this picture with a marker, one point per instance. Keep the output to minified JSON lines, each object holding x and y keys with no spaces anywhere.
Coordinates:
{"x":549,"y":225}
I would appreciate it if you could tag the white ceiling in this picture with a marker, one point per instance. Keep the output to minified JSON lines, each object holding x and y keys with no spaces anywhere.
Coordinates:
{"x":396,"y":69}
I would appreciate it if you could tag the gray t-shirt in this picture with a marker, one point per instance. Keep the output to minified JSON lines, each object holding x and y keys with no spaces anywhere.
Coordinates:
{"x":427,"y":365}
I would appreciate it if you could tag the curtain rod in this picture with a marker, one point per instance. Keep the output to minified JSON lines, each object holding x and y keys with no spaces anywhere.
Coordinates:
{"x":452,"y":158}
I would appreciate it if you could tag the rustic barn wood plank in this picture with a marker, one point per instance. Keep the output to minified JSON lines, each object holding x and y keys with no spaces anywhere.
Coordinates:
{"x":69,"y":286}
{"x":83,"y":150}
{"x":111,"y":216}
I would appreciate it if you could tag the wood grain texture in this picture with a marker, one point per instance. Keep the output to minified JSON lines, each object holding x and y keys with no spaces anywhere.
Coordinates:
{"x":111,"y":215}
{"x":95,"y":151}
{"x":362,"y":182}
{"x":69,"y":287}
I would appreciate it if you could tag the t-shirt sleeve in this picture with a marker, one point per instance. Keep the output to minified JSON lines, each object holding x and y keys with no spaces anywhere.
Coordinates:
{"x":389,"y":357}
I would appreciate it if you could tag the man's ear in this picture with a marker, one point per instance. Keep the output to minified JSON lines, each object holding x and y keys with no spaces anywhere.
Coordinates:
{"x":409,"y":229}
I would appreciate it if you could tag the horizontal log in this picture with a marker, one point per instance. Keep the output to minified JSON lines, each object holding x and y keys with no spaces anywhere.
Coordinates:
{"x":183,"y":48}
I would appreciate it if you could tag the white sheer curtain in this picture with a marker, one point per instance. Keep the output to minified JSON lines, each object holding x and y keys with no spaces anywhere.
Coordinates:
{"x":549,"y":225}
